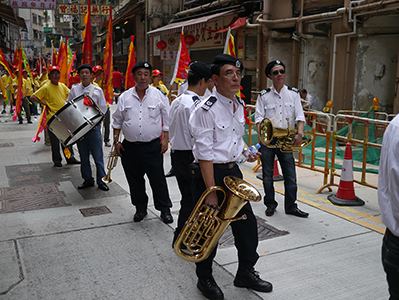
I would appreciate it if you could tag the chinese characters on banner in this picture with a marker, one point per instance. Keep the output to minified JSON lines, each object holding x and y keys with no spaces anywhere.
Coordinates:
{"x":37,"y":4}
{"x":168,"y":54}
{"x":203,"y":37}
{"x":75,"y":9}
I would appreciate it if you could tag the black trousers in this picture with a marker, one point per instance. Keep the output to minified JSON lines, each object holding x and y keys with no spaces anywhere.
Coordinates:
{"x":139,"y":159}
{"x":106,"y":123}
{"x":245,"y":231}
{"x":180,"y":164}
{"x":390,"y":262}
{"x":55,"y":148}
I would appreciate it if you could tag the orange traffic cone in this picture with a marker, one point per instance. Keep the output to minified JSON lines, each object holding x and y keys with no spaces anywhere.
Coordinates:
{"x":346,"y":190}
{"x":276,"y":174}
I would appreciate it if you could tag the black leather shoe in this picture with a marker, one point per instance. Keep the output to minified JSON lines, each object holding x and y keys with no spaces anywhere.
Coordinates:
{"x":270,"y":211}
{"x":58,"y":164}
{"x":250,"y":279}
{"x":139,"y":216}
{"x":86,"y":184}
{"x":73,"y":161}
{"x":299,"y":213}
{"x":210,"y":289}
{"x":30,"y":122}
{"x":170,"y":173}
{"x":166,"y":217}
{"x":103,"y":186}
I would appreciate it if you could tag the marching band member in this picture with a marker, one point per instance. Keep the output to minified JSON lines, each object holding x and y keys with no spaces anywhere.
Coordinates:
{"x":53,"y":94}
{"x":181,"y":139}
{"x":217,"y":126}
{"x":278,"y":103}
{"x":139,"y":114}
{"x":91,"y":142}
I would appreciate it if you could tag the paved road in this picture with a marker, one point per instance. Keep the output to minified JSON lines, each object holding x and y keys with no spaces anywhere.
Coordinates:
{"x":50,"y":250}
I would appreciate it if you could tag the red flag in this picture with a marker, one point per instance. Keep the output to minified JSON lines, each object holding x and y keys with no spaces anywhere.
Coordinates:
{"x":15,"y":61}
{"x":63,"y":63}
{"x":107,"y":82}
{"x":129,"y":81}
{"x":19,"y":91}
{"x":87,"y":57}
{"x":42,"y":125}
{"x":4,"y":62}
{"x":182,"y":62}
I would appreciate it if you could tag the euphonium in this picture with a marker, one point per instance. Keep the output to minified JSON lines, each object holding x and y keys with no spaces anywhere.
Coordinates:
{"x":283,"y":136}
{"x":206,"y":225}
{"x":112,"y":161}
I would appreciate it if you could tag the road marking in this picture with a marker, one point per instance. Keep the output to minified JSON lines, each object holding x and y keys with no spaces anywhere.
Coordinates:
{"x":326,"y":208}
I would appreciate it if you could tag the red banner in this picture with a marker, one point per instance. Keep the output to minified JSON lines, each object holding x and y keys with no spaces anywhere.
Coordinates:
{"x":129,"y":81}
{"x":87,"y":57}
{"x":107,"y":82}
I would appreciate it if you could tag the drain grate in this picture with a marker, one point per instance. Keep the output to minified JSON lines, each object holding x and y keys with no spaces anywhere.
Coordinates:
{"x":31,"y":197}
{"x":3,"y":145}
{"x":265,"y":232}
{"x":94,"y":211}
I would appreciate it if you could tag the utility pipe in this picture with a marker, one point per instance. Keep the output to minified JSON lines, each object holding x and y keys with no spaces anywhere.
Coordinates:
{"x":353,"y":33}
{"x":338,"y":12}
{"x":202,"y":7}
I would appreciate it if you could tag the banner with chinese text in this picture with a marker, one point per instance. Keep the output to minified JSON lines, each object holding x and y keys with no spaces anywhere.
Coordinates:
{"x":36,"y":4}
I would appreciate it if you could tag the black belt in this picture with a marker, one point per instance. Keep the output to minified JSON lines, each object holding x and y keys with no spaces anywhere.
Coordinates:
{"x":142,"y":143}
{"x":226,"y":166}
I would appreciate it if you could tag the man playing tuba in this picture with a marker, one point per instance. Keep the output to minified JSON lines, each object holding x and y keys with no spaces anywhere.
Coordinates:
{"x":217,"y":126}
{"x":282,"y":105}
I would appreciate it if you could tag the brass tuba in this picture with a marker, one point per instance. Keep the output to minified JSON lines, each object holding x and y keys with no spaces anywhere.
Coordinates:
{"x":206,"y":225}
{"x":283,"y":136}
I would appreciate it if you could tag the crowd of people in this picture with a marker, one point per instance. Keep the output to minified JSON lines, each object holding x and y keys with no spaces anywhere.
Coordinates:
{"x":204,"y":126}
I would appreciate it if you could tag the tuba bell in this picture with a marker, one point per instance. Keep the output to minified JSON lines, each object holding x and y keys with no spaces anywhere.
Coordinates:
{"x":282,"y":136}
{"x":206,"y":225}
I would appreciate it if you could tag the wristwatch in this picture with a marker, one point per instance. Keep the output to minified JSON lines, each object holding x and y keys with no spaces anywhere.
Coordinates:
{"x":301,"y":134}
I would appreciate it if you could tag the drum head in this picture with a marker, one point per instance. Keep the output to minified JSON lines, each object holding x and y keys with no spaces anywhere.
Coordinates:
{"x":74,"y":120}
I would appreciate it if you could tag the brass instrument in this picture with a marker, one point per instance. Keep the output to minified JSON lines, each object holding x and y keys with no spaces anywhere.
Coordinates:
{"x":206,"y":225}
{"x":283,"y":136}
{"x":111,"y":164}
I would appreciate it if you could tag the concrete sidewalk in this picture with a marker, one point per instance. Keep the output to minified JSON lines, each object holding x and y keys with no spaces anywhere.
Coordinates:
{"x":50,"y":250}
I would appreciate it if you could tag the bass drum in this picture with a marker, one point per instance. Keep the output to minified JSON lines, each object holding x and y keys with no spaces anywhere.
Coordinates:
{"x":74,"y":120}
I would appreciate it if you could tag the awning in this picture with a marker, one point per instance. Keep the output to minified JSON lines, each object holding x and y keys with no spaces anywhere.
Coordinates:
{"x":178,"y":25}
{"x":7,"y":14}
{"x":124,"y":14}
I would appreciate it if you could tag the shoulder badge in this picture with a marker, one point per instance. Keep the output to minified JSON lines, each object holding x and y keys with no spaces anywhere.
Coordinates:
{"x":161,"y":90}
{"x":208,"y":103}
{"x":265,"y":91}
{"x":293,"y":89}
{"x":239,"y":100}
{"x":196,"y":100}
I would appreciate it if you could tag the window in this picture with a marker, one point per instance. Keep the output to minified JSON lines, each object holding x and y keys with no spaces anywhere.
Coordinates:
{"x":34,"y":18}
{"x":251,"y":44}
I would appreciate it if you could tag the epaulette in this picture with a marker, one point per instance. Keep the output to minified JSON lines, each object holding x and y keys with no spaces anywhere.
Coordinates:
{"x":161,"y":90}
{"x":196,"y":100}
{"x":239,"y":100}
{"x":265,"y":91}
{"x":208,"y":103}
{"x":293,"y":89}
{"x":184,"y":82}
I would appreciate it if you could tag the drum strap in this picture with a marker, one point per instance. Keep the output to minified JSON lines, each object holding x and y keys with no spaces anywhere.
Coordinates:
{"x":91,"y":91}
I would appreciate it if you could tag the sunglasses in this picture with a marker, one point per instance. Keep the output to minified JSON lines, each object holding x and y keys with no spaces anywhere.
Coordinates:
{"x":282,"y":71}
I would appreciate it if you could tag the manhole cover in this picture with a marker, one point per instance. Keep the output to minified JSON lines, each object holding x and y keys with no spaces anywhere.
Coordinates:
{"x":94,"y":211}
{"x":31,"y":197}
{"x":265,"y":232}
